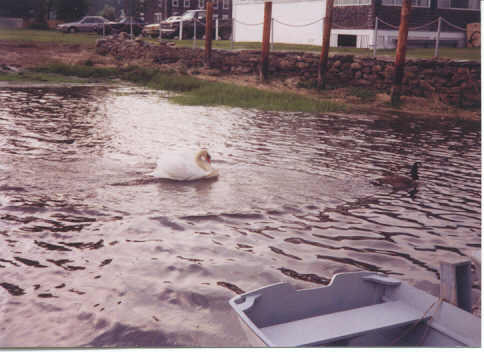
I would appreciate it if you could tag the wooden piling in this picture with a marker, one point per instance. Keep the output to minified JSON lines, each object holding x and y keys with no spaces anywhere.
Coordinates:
{"x":401,"y":51}
{"x":208,"y":34}
{"x":266,"y":36}
{"x":323,"y":60}
{"x":437,"y":38}
{"x":456,"y":283}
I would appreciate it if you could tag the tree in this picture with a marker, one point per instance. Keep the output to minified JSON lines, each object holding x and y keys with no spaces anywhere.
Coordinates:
{"x":71,"y":9}
{"x":108,"y":12}
{"x":17,"y":8}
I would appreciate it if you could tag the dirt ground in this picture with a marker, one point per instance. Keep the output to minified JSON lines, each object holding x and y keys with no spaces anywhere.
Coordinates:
{"x":25,"y":55}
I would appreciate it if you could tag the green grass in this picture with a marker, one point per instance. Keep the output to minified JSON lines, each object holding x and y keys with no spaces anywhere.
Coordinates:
{"x":52,"y":36}
{"x":212,"y":94}
{"x":365,"y":94}
{"x":195,"y":91}
{"x":47,"y":36}
{"x":28,"y":77}
{"x":417,"y":53}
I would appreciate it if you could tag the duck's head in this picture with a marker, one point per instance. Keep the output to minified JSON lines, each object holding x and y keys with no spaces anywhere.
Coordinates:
{"x":414,"y":171}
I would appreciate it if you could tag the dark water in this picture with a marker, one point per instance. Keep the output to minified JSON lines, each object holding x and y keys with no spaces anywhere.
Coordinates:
{"x":95,"y":253}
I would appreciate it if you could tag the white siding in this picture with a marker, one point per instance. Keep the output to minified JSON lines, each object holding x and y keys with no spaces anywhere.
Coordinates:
{"x":295,"y":13}
{"x":248,"y":17}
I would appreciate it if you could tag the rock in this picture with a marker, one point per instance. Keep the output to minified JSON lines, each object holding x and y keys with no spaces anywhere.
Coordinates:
{"x":285,"y":64}
{"x":123,"y":36}
{"x":302,"y":65}
{"x":355,"y":66}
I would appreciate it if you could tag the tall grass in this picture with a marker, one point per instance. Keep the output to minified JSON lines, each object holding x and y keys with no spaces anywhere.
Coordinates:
{"x":195,"y":91}
{"x":215,"y":93}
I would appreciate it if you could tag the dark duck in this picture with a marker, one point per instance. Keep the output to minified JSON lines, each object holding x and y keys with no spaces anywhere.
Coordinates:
{"x":400,"y":182}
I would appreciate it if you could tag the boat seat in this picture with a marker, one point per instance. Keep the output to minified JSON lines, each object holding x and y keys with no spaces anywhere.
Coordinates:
{"x":336,"y":326}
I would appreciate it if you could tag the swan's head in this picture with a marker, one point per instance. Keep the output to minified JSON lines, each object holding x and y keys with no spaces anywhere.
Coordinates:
{"x":204,"y":159}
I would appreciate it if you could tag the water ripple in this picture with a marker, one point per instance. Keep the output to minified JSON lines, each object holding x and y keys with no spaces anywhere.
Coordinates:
{"x":97,"y":253}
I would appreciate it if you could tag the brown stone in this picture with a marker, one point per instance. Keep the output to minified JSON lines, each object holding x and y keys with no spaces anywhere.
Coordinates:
{"x":376,"y":68}
{"x":355,"y":66}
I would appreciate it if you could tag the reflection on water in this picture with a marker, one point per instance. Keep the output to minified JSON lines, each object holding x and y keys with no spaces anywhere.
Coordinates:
{"x":96,"y":253}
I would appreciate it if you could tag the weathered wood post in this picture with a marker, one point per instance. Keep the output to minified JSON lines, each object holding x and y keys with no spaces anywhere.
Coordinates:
{"x":375,"y":37}
{"x":401,"y":50}
{"x":437,"y":39}
{"x":194,"y":45}
{"x":160,"y":33}
{"x":272,"y":34}
{"x":266,"y":34}
{"x":456,"y":283}
{"x":232,"y":35}
{"x":208,"y":34}
{"x":323,"y":60}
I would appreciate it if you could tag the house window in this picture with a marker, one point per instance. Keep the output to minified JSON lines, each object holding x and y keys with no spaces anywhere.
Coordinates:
{"x":215,"y":4}
{"x":415,"y":3}
{"x":347,"y":40}
{"x":201,"y":4}
{"x":174,"y":3}
{"x":352,"y":2}
{"x":459,"y":4}
{"x":225,"y":4}
{"x":187,"y":3}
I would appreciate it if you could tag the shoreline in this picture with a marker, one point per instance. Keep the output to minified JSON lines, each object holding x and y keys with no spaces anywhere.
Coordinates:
{"x":362,"y":101}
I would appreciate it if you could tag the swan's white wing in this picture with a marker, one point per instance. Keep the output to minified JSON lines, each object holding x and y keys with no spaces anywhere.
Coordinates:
{"x":179,"y":166}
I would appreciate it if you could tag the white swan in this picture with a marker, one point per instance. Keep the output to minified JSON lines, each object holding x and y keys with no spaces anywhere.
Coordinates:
{"x":185,"y":166}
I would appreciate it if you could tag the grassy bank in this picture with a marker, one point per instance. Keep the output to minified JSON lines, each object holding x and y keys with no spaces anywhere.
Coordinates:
{"x":194,"y":91}
{"x":51,"y":36}
{"x":47,"y":36}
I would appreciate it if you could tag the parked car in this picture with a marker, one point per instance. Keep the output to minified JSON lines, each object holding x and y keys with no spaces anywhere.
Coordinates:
{"x":124,"y":25}
{"x":172,"y":29}
{"x":86,"y":24}
{"x":153,"y":30}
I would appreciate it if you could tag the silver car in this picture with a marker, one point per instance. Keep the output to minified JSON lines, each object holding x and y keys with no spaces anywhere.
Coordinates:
{"x":86,"y":24}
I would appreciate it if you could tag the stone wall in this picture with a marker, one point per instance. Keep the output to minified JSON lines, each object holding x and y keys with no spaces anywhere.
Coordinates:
{"x":454,"y":82}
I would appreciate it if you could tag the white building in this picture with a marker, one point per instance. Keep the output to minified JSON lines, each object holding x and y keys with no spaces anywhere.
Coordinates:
{"x":301,"y":21}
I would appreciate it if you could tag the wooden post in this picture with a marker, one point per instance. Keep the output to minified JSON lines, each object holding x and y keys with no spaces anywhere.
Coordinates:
{"x":375,"y":36}
{"x":272,"y":34}
{"x":401,"y":50}
{"x":194,"y":45}
{"x":208,"y":34}
{"x":437,"y":39}
{"x":232,"y":35}
{"x":456,"y":283}
{"x":180,"y":31}
{"x":323,"y":60}
{"x":216,"y":29}
{"x":160,"y":34}
{"x":266,"y":34}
